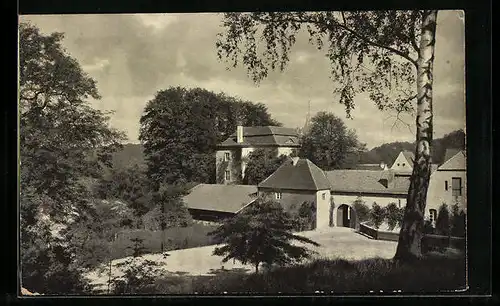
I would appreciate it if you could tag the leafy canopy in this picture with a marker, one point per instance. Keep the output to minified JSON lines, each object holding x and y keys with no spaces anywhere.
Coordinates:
{"x":261,"y":164}
{"x":181,"y":127}
{"x":328,"y":142}
{"x":370,"y":52}
{"x":262,"y":233}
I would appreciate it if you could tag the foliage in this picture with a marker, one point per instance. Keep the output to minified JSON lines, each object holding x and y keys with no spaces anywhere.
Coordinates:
{"x":126,"y":184}
{"x":62,"y":140}
{"x":340,"y":276}
{"x":181,"y":127}
{"x":261,"y":164}
{"x":328,"y":142}
{"x":377,"y":215}
{"x":305,"y":217}
{"x":362,"y":210}
{"x":457,"y":221}
{"x":394,"y":215}
{"x":140,"y":276}
{"x":261,"y":234}
{"x":428,"y":227}
{"x":443,"y":221}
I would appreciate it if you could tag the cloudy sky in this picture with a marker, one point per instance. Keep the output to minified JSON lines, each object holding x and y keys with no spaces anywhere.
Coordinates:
{"x":133,"y":56}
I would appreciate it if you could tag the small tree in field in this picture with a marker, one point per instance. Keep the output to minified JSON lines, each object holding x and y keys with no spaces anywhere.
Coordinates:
{"x":261,"y":234}
{"x":377,"y":215}
{"x":443,"y":221}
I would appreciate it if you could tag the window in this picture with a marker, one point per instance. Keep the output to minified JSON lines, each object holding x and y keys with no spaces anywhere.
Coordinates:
{"x":227,"y":175}
{"x":446,"y":185}
{"x":398,"y":164}
{"x":404,"y":164}
{"x":323,"y":196}
{"x":227,"y":155}
{"x":456,"y":186}
{"x":432,"y":216}
{"x":399,"y":203}
{"x":278,"y":195}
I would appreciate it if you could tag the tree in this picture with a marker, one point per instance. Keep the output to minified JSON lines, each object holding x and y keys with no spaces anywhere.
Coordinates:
{"x":62,"y":140}
{"x":361,"y":209}
{"x":260,"y":234}
{"x":377,"y":215}
{"x":387,"y":54}
{"x":393,"y":215}
{"x":261,"y":164}
{"x":443,"y":221}
{"x":181,"y":127}
{"x":126,"y":184}
{"x":457,"y":221}
{"x":328,"y":141}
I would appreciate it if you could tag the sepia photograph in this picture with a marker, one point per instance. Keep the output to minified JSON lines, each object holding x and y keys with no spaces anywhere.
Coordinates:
{"x":242,"y":153}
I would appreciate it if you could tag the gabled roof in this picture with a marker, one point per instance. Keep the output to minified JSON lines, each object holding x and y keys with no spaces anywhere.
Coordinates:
{"x":410,"y":157}
{"x":455,"y":162}
{"x":449,"y":153}
{"x":264,"y":136}
{"x":222,"y":198}
{"x":366,"y":181}
{"x":374,"y":167}
{"x":297,"y":174}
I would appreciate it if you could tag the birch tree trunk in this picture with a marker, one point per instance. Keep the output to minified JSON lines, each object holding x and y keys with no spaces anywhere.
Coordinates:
{"x":409,"y":245}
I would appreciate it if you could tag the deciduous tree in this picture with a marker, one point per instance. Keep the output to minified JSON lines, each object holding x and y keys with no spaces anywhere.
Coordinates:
{"x":387,"y":54}
{"x":328,"y":141}
{"x":261,"y":164}
{"x":262,"y":233}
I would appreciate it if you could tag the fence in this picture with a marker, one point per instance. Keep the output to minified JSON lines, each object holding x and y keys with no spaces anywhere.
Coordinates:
{"x":429,"y":242}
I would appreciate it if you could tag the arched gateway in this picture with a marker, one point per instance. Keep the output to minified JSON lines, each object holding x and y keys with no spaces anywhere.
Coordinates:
{"x":346,"y":216}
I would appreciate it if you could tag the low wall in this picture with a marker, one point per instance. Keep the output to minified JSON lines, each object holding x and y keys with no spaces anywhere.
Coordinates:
{"x":429,"y":242}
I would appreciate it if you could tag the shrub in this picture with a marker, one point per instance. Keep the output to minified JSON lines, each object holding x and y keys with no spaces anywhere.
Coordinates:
{"x":457,"y":221}
{"x":428,"y":228}
{"x":393,"y":215}
{"x":443,"y":221}
{"x":377,"y":215}
{"x":362,"y":210}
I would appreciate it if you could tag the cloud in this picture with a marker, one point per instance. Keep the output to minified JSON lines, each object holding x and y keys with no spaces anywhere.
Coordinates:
{"x":133,"y":56}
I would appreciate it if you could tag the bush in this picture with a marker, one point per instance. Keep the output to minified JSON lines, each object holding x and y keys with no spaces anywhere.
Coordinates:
{"x":393,"y":215}
{"x":361,"y":209}
{"x":457,"y":221}
{"x":428,"y":227}
{"x":377,"y":215}
{"x":443,"y":221}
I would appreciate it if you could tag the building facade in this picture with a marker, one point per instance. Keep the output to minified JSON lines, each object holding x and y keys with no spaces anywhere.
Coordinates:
{"x":232,"y":154}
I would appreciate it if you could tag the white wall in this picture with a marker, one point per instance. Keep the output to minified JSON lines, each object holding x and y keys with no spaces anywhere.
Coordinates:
{"x":401,"y":164}
{"x":285,"y":151}
{"x":437,"y":195}
{"x":322,"y":208}
{"x":381,"y":200}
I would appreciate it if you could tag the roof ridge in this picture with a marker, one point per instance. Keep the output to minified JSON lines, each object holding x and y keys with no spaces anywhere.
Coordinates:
{"x":308,"y":163}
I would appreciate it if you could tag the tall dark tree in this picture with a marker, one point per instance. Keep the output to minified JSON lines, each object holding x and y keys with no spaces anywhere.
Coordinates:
{"x":180,"y":129}
{"x":372,"y":52}
{"x":62,"y":139}
{"x":261,"y":164}
{"x":261,"y":234}
{"x":328,"y":142}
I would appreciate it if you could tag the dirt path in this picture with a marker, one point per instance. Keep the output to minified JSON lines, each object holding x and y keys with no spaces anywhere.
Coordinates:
{"x":335,"y":242}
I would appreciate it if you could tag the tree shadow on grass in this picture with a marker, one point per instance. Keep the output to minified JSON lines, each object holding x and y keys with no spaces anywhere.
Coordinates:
{"x":228,"y":271}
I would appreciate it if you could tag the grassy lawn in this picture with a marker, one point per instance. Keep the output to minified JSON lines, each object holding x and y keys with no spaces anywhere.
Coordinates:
{"x":178,"y":238}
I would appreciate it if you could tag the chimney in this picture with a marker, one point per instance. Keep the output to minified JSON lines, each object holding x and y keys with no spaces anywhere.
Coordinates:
{"x":239,"y":133}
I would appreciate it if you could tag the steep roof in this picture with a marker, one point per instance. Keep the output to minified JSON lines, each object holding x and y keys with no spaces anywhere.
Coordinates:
{"x":374,"y":167}
{"x":410,"y":156}
{"x":367,"y":181}
{"x":449,"y":153}
{"x":457,"y":161}
{"x":264,"y":136}
{"x":222,"y":198}
{"x":297,"y":174}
